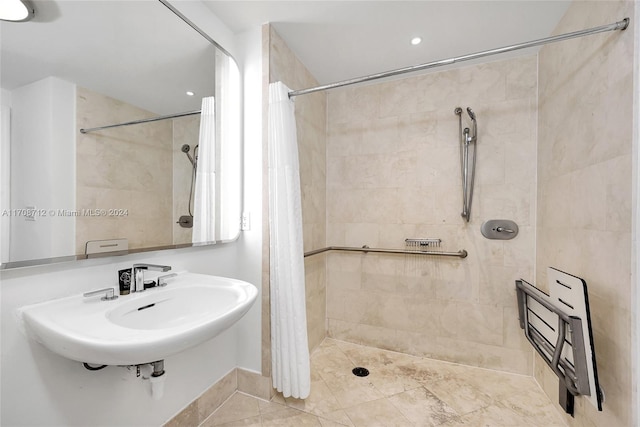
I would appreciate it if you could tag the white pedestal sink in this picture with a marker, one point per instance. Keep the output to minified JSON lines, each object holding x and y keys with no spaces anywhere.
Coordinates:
{"x":141,"y":327}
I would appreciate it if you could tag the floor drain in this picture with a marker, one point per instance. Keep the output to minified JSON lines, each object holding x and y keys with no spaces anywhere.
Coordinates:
{"x":360,"y":372}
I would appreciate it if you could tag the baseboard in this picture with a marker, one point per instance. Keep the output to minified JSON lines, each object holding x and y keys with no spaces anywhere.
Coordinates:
{"x":203,"y":406}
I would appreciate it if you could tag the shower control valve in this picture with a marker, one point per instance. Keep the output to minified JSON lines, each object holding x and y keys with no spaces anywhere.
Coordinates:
{"x":499,"y":229}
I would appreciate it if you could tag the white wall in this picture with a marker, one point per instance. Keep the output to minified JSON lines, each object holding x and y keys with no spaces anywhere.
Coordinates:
{"x":5,"y":173}
{"x":63,"y":392}
{"x":43,"y":135}
{"x":249,"y":348}
{"x":41,"y":388}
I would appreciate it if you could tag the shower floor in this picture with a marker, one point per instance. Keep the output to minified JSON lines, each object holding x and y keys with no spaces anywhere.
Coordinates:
{"x":401,"y":390}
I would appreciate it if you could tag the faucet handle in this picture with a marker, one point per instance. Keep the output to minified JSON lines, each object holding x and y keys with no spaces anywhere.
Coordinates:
{"x":109,"y":294}
{"x":154,"y":267}
{"x":162,"y":279}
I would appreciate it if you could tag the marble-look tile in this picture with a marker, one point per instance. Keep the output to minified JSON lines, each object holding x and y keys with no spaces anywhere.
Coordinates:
{"x":384,"y":369}
{"x":237,"y":407}
{"x":333,"y":419}
{"x":425,"y":371}
{"x":350,"y":390}
{"x":377,"y":413}
{"x":288,"y":417}
{"x":493,"y":416}
{"x":423,"y":408}
{"x":400,"y":98}
{"x":394,"y":173}
{"x":371,"y":335}
{"x":316,"y":297}
{"x":254,"y":384}
{"x":440,"y":393}
{"x":278,"y":398}
{"x":473,"y":322}
{"x":589,"y":234}
{"x":245,"y":422}
{"x":125,"y":171}
{"x":497,"y":385}
{"x":329,"y":363}
{"x":459,"y":394}
{"x":534,"y":407}
{"x":320,"y":400}
{"x":275,"y":404}
{"x":331,"y":423}
{"x":215,"y":396}
{"x":522,"y":77}
{"x":187,"y":417}
{"x":618,"y":199}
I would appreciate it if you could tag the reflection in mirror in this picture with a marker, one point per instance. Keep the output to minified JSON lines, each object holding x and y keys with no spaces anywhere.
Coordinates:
{"x":158,"y":178}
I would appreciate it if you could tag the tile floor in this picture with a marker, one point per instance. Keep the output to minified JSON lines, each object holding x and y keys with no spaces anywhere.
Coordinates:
{"x":401,"y":390}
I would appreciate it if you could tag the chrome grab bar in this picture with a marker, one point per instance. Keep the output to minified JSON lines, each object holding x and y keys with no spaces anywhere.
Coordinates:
{"x":460,"y":254}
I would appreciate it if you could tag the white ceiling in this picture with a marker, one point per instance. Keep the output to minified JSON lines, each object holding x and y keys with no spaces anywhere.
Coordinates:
{"x":337,"y":40}
{"x":138,"y":51}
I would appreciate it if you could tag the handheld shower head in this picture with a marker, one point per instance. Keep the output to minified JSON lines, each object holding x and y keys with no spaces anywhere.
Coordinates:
{"x":471,"y":114}
{"x":185,"y":149}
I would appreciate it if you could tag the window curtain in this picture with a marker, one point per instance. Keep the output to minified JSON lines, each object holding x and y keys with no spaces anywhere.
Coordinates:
{"x":289,"y":345}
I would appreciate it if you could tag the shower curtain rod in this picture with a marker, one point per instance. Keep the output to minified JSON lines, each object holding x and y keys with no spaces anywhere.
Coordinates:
{"x":620,"y":25}
{"x":137,"y":122}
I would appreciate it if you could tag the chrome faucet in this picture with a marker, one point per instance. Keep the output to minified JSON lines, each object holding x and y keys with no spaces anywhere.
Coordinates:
{"x":137,"y":284}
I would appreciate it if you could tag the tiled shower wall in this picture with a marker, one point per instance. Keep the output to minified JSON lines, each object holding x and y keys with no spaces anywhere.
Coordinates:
{"x":393,"y":172}
{"x":585,"y":190}
{"x":138,"y":168}
{"x":123,"y":168}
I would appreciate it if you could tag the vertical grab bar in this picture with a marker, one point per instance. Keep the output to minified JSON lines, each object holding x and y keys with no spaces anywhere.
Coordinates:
{"x":468,"y":176}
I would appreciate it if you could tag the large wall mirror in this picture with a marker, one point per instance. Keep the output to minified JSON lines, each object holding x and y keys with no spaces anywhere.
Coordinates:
{"x":120,"y":132}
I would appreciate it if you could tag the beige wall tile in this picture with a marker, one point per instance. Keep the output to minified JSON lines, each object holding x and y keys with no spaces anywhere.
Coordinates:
{"x":216,"y":395}
{"x":187,"y":417}
{"x":254,"y":384}
{"x":393,"y":173}
{"x":206,"y":403}
{"x":238,"y":408}
{"x":126,"y":168}
{"x":584,"y":173}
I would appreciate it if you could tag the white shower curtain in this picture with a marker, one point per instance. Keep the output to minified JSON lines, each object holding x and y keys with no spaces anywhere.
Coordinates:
{"x":204,"y":209}
{"x":289,"y":345}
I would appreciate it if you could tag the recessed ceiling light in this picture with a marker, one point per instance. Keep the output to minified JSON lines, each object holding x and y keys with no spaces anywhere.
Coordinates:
{"x":190,"y":93}
{"x":416,"y":40}
{"x":16,"y":10}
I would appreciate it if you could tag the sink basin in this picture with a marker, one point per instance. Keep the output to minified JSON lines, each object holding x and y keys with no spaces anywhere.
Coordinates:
{"x":141,"y":327}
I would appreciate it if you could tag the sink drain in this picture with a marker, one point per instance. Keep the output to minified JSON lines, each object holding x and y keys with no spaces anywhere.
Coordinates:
{"x":360,"y":372}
